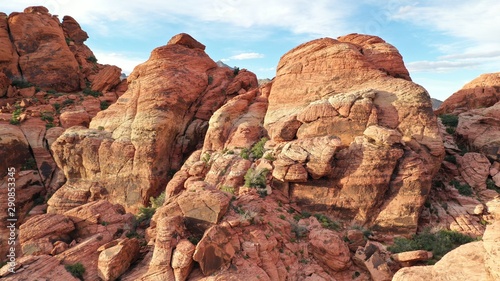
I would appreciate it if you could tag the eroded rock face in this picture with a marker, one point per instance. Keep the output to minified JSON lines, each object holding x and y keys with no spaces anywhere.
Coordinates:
{"x":388,"y":146}
{"x":42,"y":48}
{"x":483,"y":91}
{"x":146,"y":134}
{"x":8,"y":54}
{"x":481,"y":129}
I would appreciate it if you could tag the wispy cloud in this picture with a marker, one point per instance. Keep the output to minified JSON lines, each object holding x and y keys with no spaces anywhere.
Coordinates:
{"x":439,"y":66}
{"x":245,"y":56}
{"x":126,"y":62}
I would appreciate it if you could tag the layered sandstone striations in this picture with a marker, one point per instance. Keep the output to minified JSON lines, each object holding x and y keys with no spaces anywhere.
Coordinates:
{"x":131,"y":149}
{"x":385,"y":146}
{"x":484,"y":91}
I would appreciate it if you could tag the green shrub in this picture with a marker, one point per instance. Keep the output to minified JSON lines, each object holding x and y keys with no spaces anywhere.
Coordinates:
{"x":14,"y":120}
{"x":438,"y":243}
{"x":49,"y":125}
{"x":326,"y":222}
{"x":450,"y":130}
{"x":92,"y":59}
{"x":210,"y":80}
{"x":77,"y":270}
{"x":100,"y":128}
{"x":228,"y":189}
{"x":236,"y":70}
{"x":47,"y":116}
{"x":29,"y":164}
{"x":490,"y":184}
{"x":206,"y":157}
{"x":449,"y":120}
{"x":463,"y":189}
{"x":52,"y":92}
{"x":245,"y":153}
{"x":258,"y":148}
{"x":21,"y":84}
{"x":87,"y":91}
{"x":68,"y":102}
{"x":450,"y":158}
{"x":104,"y":105}
{"x":158,"y":201}
{"x":256,"y":179}
{"x":57,"y":107}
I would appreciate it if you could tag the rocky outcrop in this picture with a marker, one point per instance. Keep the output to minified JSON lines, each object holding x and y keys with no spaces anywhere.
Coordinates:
{"x":483,"y":91}
{"x":41,"y":45}
{"x":9,"y":58}
{"x":139,"y":140}
{"x":116,"y":257}
{"x":473,"y":261}
{"x":381,"y":168}
{"x":481,"y":129}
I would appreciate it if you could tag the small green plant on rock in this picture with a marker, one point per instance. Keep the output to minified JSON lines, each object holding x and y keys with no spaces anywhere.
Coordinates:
{"x":92,"y":59}
{"x":228,"y":189}
{"x":256,"y":179}
{"x":326,"y":222}
{"x":104,"y":105}
{"x":463,"y":189}
{"x":77,"y":270}
{"x":258,"y":148}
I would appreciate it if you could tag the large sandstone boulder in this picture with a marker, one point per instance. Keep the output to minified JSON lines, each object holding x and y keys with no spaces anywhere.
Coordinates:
{"x":481,"y":129}
{"x":132,"y":147}
{"x":116,"y":257}
{"x":42,"y":48}
{"x":484,"y":91}
{"x":38,"y":234}
{"x":356,"y":90}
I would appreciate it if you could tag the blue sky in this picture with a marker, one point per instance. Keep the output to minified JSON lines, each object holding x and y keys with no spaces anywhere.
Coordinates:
{"x":444,"y":44}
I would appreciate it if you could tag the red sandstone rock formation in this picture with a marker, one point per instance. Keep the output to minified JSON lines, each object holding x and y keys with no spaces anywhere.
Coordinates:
{"x":483,"y":91}
{"x":150,"y":130}
{"x":388,"y":146}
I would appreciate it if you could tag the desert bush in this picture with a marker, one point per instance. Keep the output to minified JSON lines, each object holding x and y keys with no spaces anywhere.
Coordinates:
{"x":438,"y":243}
{"x":449,"y":120}
{"x":256,"y":179}
{"x":463,"y":189}
{"x":92,"y":59}
{"x":326,"y":222}
{"x":104,"y":105}
{"x":258,"y":148}
{"x":77,"y":270}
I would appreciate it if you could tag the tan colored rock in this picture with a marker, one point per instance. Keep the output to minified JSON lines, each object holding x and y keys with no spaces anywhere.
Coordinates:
{"x":214,"y":250}
{"x":472,"y":261}
{"x":40,"y":43}
{"x":474,"y":168}
{"x":373,"y":258}
{"x":74,"y":118}
{"x":182,"y":260}
{"x":37,"y":233}
{"x":480,"y":92}
{"x":205,"y":205}
{"x":491,"y":243}
{"x":328,"y":247}
{"x":160,"y":266}
{"x":116,"y":257}
{"x":376,"y":125}
{"x":481,"y":129}
{"x":42,"y":267}
{"x":129,"y":152}
{"x":407,"y":258}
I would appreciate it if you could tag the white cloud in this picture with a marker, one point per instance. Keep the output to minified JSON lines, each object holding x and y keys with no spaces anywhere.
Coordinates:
{"x":126,"y":62}
{"x":439,"y":66}
{"x":245,"y":56}
{"x":318,"y":18}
